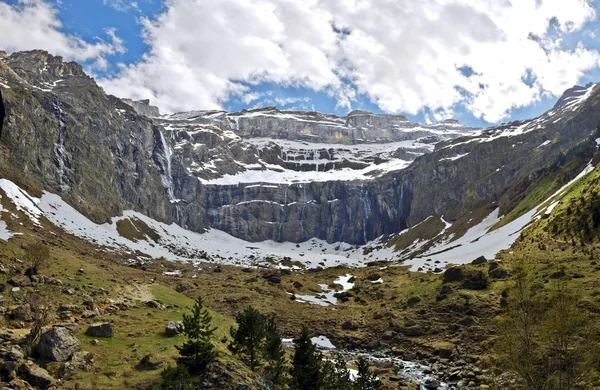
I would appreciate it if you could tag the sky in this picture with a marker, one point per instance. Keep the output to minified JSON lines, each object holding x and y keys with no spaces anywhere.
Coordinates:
{"x":479,"y":61}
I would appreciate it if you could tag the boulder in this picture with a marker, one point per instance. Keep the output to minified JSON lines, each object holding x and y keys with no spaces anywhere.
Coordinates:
{"x":90,"y":313}
{"x":58,"y":344}
{"x":174,"y":328}
{"x":22,"y":313}
{"x":36,"y":376}
{"x":20,"y":281}
{"x":155,"y":305}
{"x":8,"y":370}
{"x":80,"y":361}
{"x":413,"y":301}
{"x":348,"y":325}
{"x":479,"y":260}
{"x":454,"y":274}
{"x":104,"y":330}
{"x":15,"y":354}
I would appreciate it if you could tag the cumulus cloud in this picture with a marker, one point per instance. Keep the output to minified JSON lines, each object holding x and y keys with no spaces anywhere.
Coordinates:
{"x":406,"y":56}
{"x":34,"y":24}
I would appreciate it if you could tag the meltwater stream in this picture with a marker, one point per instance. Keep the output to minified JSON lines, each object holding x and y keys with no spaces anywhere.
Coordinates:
{"x":408,"y":370}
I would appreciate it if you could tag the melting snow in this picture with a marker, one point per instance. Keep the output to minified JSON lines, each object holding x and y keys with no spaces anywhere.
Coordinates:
{"x":21,"y":200}
{"x":322,"y":342}
{"x":454,"y":158}
{"x":328,"y":298}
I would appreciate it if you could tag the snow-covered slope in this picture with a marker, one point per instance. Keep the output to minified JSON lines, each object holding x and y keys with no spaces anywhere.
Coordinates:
{"x":172,"y":242}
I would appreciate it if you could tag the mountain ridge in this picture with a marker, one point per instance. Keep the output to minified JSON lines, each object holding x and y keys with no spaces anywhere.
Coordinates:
{"x":162,"y":166}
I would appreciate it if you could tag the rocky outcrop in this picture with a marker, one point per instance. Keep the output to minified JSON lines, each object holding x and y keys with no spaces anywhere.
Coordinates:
{"x":143,"y":107}
{"x":66,"y":135}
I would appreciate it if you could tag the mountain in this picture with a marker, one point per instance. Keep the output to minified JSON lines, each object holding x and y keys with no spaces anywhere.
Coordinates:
{"x":387,"y":239}
{"x":284,"y":176}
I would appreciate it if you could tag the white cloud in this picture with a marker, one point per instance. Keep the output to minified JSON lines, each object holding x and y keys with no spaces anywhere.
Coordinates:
{"x":34,"y":24}
{"x":404,"y":55}
{"x":122,"y":5}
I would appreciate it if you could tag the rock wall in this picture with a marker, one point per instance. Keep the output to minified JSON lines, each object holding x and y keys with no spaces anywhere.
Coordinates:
{"x":67,"y":136}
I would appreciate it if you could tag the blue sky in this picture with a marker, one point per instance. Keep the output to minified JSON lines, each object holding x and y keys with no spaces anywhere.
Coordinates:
{"x":182,"y":54}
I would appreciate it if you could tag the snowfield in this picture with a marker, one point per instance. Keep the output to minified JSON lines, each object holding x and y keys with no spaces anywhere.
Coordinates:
{"x":178,"y":244}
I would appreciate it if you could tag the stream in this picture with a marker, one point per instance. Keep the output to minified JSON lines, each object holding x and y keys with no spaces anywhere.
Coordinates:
{"x":408,"y":370}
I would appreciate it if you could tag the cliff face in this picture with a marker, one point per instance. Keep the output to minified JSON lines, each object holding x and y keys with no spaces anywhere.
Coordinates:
{"x":67,"y":136}
{"x":266,"y":174}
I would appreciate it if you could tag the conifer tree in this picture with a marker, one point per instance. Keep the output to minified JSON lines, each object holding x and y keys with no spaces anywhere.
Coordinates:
{"x":306,"y":364}
{"x":274,"y":353}
{"x":198,"y":350}
{"x":335,"y":375}
{"x":248,"y":338}
{"x":365,"y":380}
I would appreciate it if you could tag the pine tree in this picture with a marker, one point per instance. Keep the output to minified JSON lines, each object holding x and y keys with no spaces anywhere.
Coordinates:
{"x":306,"y":364}
{"x":274,"y":353}
{"x":335,"y":375}
{"x":175,"y":378}
{"x":198,"y":350}
{"x":248,"y":338}
{"x":365,"y":380}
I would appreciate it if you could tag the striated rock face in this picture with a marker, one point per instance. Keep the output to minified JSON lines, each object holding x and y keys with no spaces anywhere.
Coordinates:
{"x":267,"y":174}
{"x":67,"y":136}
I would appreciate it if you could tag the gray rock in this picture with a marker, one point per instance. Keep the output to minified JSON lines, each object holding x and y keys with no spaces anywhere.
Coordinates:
{"x":174,"y":328}
{"x":479,"y":260}
{"x":8,"y":370}
{"x":155,"y":305}
{"x":104,"y":330}
{"x":22,"y":313}
{"x":15,"y":354}
{"x":36,"y":376}
{"x":453,"y":274}
{"x":80,"y":361}
{"x":90,"y":313}
{"x":58,"y":344}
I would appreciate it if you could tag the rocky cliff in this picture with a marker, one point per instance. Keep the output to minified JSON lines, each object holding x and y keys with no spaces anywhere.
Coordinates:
{"x":266,"y":174}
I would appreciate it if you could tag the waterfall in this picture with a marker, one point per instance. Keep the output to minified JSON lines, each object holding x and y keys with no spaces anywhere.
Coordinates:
{"x":282,"y":218}
{"x":366,"y":211}
{"x":61,"y":157}
{"x":166,"y":177}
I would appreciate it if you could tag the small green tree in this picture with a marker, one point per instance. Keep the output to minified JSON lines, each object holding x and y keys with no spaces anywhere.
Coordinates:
{"x":274,"y":353}
{"x":335,"y":375}
{"x":248,"y":338}
{"x":175,"y":378}
{"x":365,"y":380}
{"x":37,"y":256}
{"x":198,"y":350}
{"x":306,"y":364}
